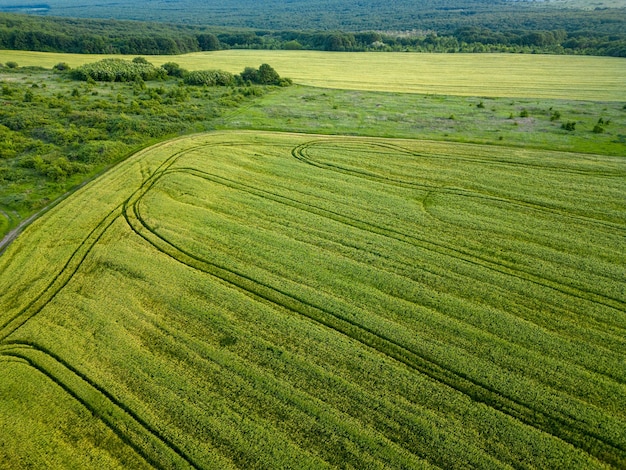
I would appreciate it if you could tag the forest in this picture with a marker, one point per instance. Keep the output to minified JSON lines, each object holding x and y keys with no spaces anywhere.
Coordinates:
{"x":573,"y":32}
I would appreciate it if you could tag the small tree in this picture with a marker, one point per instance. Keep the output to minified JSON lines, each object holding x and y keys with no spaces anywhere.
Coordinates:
{"x":250,"y":74}
{"x":208,"y":42}
{"x":268,"y":76}
{"x":11,"y":64}
{"x":173,"y":69}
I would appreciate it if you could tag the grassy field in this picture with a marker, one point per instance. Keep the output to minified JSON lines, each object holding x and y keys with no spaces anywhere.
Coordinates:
{"x":67,"y":130}
{"x":274,"y":300}
{"x":493,"y":75}
{"x":521,"y":122}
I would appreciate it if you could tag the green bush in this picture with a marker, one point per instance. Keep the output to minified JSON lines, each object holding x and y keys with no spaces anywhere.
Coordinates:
{"x":264,"y":75}
{"x":209,"y":78}
{"x":117,"y":70}
{"x":569,"y":126}
{"x":173,"y":69}
{"x":61,"y":67}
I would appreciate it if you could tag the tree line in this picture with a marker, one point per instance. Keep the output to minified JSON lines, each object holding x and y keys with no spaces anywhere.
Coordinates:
{"x":23,"y":32}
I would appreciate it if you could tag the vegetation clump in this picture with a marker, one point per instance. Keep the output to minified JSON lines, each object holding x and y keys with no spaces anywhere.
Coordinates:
{"x":569,"y":126}
{"x":56,"y":132}
{"x":209,"y":78}
{"x":117,"y":70}
{"x":264,"y":75}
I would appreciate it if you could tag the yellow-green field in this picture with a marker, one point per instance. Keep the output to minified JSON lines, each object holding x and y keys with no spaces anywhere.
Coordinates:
{"x":495,"y":75}
{"x":273,"y":300}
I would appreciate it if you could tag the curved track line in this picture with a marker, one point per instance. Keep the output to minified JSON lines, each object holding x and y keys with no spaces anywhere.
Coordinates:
{"x":559,"y":425}
{"x":413,"y":240}
{"x":144,"y":439}
{"x":42,"y":299}
{"x":498,"y":266}
{"x":300,"y":153}
{"x":211,"y":179}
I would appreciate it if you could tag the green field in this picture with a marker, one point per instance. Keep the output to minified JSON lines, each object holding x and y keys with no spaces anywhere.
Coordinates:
{"x":493,"y":75}
{"x":438,"y":284}
{"x":276,"y":300}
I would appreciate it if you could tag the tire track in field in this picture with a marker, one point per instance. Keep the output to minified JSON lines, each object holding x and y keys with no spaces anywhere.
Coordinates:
{"x":413,"y":240}
{"x":78,"y":256}
{"x":300,"y":153}
{"x":571,"y":318}
{"x":396,"y":148}
{"x":558,"y":424}
{"x":144,"y":439}
{"x":10,"y":325}
{"x":16,"y":349}
{"x":561,"y":426}
{"x":473,"y":258}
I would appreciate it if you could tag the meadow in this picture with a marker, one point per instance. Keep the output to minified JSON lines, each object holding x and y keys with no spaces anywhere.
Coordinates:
{"x":492,"y":75}
{"x":270,"y":300}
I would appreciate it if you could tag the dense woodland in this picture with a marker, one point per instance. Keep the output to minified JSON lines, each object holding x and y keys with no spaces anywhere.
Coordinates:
{"x":598,"y":33}
{"x":441,"y":16}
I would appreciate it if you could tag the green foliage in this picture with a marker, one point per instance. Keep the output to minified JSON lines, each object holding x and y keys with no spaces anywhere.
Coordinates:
{"x":117,"y":70}
{"x":61,"y":67}
{"x":11,"y":64}
{"x":264,"y":75}
{"x":140,"y":60}
{"x":531,"y":30}
{"x":208,"y":42}
{"x":569,"y":126}
{"x":209,"y":78}
{"x":292,"y":45}
{"x":174,"y":70}
{"x":61,"y":133}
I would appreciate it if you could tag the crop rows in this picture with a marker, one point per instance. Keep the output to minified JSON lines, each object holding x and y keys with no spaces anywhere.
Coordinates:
{"x":124,"y":423}
{"x":463,"y":263}
{"x":561,"y":426}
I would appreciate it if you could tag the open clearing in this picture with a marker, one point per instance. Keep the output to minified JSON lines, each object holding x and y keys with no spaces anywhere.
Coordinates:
{"x":494,"y":75}
{"x":258,"y":299}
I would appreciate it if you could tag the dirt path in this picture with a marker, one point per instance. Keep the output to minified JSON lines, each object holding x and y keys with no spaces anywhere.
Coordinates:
{"x":13,"y":234}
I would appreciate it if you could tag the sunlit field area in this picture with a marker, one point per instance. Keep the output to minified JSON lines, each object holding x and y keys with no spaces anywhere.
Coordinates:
{"x":493,"y":75}
{"x":271,"y":300}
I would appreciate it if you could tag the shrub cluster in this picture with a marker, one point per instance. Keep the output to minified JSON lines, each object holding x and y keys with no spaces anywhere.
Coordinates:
{"x":117,"y":70}
{"x":264,"y":75}
{"x":209,"y":78}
